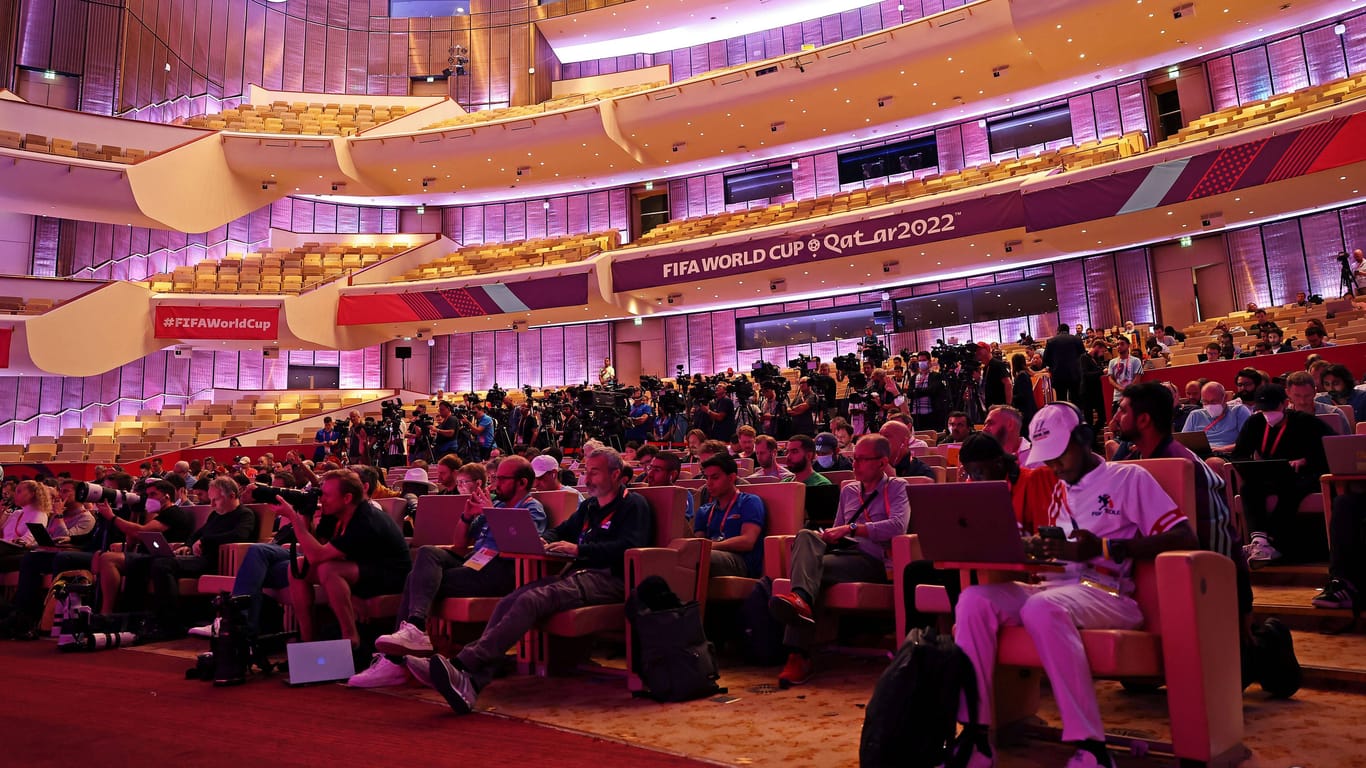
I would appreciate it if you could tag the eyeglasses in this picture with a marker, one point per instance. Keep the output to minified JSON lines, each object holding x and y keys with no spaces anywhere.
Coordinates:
{"x":504,"y":477}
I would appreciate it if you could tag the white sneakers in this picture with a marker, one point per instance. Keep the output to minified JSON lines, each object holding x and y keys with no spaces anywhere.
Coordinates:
{"x":208,"y":630}
{"x":1260,"y":552}
{"x":381,"y":674}
{"x":420,"y":667}
{"x":407,"y":640}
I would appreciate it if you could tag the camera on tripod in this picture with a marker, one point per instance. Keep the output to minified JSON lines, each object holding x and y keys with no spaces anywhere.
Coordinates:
{"x":806,"y":365}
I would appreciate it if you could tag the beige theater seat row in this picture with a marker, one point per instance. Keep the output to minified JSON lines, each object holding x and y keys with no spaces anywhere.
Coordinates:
{"x":301,"y":118}
{"x":500,"y":257}
{"x":281,"y":271}
{"x":108,"y":153}
{"x":563,"y":102}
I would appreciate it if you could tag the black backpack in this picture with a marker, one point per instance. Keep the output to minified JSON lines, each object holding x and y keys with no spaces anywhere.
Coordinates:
{"x":912,"y":718}
{"x":674,"y":658}
{"x":761,"y":635}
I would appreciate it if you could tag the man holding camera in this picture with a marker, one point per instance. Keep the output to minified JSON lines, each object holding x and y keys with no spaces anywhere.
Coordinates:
{"x":164,"y":517}
{"x":804,"y":409}
{"x":365,"y":554}
{"x":719,"y":415}
{"x":481,"y":430}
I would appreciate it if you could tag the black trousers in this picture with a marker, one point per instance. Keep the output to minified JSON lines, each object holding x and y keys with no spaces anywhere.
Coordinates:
{"x":1347,"y":539}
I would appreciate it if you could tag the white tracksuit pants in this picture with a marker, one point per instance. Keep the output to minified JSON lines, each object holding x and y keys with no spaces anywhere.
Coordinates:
{"x":1052,"y":615}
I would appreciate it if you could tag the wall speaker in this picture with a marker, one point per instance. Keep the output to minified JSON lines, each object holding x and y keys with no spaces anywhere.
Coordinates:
{"x":403,"y":353}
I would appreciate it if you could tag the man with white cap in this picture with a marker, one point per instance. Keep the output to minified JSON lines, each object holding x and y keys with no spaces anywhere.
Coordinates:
{"x":440,"y":572}
{"x":547,"y":471}
{"x":1111,"y":514}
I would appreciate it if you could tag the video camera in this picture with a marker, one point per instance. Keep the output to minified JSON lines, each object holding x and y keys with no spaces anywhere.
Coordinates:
{"x":847,"y":364}
{"x":806,"y":365}
{"x":496,"y":396}
{"x":874,"y":351}
{"x":951,"y":355}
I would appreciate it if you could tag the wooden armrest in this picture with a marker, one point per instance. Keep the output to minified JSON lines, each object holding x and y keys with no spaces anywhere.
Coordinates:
{"x":778,"y":556}
{"x":230,"y":557}
{"x":684,"y":564}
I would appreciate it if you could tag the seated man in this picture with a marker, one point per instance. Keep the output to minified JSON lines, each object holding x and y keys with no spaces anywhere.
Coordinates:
{"x":1346,"y":554}
{"x":365,"y":554}
{"x":1277,"y":433}
{"x":469,"y":568}
{"x":664,"y":471}
{"x":766,"y":459}
{"x":1114,"y":513}
{"x":733,"y":521}
{"x":1299,"y":387}
{"x":1006,"y":423}
{"x":959,"y":429}
{"x":801,"y":449}
{"x":228,"y":523}
{"x":828,"y":457}
{"x":171,"y":521}
{"x":872,"y":511}
{"x":1221,"y":420}
{"x":596,"y":536}
{"x":547,"y":471}
{"x":901,"y":462}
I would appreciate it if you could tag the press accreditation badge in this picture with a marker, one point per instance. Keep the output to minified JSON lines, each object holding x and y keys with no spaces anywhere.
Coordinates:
{"x":480,"y":558}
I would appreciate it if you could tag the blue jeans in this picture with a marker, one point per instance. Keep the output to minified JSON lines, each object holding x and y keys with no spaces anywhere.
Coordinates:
{"x":264,"y":566}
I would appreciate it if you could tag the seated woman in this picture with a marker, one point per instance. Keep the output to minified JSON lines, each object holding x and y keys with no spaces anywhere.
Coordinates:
{"x":33,"y":505}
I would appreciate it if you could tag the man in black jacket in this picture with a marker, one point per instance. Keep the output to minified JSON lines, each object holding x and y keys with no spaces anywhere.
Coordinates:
{"x":1062,"y":354}
{"x":1275,"y":432}
{"x":597,"y":536}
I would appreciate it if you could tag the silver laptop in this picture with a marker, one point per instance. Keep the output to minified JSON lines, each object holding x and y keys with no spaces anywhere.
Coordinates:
{"x":154,"y":544}
{"x":515,"y":532}
{"x":966,"y":523}
{"x":320,"y":662}
{"x":1346,"y":454}
{"x":1197,"y":442}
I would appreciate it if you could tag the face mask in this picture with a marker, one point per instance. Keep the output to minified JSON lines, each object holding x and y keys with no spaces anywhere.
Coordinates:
{"x":923,"y":365}
{"x":153,"y":506}
{"x":1273,"y":417}
{"x":1215,"y":409}
{"x":825,"y":461}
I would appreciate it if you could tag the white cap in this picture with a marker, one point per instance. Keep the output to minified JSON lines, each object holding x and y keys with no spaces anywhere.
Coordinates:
{"x":1050,"y":431}
{"x":418,"y":476}
{"x":543,"y":464}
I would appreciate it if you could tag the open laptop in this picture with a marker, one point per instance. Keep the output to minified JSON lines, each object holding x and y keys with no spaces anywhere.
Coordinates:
{"x":966,"y":523}
{"x":322,"y":661}
{"x":822,"y":503}
{"x":1197,"y":441}
{"x":515,"y":532}
{"x":1267,"y":475}
{"x":154,"y":544}
{"x":43,"y":538}
{"x":1346,"y":454}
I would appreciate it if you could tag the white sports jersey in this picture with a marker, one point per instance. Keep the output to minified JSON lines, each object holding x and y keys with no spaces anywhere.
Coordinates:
{"x":1113,"y":501}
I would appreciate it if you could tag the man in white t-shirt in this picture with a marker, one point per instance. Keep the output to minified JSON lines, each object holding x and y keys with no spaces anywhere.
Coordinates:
{"x":1111,"y":514}
{"x":1124,"y":369}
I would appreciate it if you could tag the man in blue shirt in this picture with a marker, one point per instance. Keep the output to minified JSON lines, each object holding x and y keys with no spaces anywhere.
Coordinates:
{"x":440,"y":572}
{"x":1220,"y":420}
{"x":481,"y":426}
{"x":326,"y":438}
{"x":641,"y":417}
{"x":734,"y":522}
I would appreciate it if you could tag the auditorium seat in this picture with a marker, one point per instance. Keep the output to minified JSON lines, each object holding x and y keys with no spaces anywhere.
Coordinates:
{"x":563,"y":102}
{"x":302,"y":118}
{"x":1279,"y":107}
{"x":487,"y":258}
{"x":271,"y":271}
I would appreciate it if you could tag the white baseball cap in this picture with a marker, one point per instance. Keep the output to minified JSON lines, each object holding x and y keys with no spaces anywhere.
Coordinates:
{"x":1050,"y":431}
{"x":543,"y":464}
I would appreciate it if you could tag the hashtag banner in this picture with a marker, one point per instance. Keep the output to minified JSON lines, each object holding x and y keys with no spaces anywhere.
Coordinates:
{"x":183,"y":321}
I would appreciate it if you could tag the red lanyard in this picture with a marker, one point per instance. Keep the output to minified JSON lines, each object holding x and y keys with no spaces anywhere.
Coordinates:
{"x":724,"y":516}
{"x":1210,"y":425}
{"x":1267,"y":434}
{"x":601,"y":523}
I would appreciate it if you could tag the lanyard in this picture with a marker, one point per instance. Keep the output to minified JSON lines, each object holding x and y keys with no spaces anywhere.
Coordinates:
{"x":1210,"y":425}
{"x":602,"y":523}
{"x":724,"y":516}
{"x":886,"y":506}
{"x":1267,"y":434}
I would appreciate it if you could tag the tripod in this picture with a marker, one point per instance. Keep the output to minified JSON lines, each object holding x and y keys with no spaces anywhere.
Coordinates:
{"x":1347,"y":281}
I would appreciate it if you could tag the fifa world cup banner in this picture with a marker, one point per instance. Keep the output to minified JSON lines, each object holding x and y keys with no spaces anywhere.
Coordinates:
{"x":838,"y":241}
{"x":175,"y":321}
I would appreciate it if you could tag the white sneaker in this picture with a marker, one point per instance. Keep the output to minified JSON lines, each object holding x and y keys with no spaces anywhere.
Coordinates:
{"x":1260,"y":553}
{"x":420,"y":667}
{"x":208,"y":630}
{"x":381,"y":674}
{"x":406,"y":640}
{"x":1084,"y":759}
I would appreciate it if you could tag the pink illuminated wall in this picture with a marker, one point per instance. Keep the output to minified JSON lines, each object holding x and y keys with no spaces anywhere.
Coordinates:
{"x":687,"y":62}
{"x":539,"y":217}
{"x":1273,"y":262}
{"x":1314,"y":56}
{"x":539,"y":357}
{"x":74,"y":37}
{"x":45,"y":405}
{"x":1100,"y":113}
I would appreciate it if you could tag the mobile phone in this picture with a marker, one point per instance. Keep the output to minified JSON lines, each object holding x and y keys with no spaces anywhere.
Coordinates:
{"x":1051,"y":532}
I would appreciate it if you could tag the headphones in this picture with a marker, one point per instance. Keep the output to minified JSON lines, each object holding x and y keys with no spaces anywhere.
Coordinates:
{"x":1083,"y":430}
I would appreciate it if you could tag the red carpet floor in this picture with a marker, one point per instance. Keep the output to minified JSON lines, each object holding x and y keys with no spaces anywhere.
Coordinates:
{"x":125,"y":708}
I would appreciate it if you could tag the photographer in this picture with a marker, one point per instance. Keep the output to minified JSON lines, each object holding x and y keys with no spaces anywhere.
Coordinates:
{"x":804,"y":409}
{"x":525,"y":424}
{"x":419,"y":435}
{"x":640,"y":416}
{"x":925,"y":389}
{"x":445,"y":433}
{"x":480,"y":425}
{"x":720,"y":415}
{"x":173,"y":522}
{"x":358,"y":441}
{"x":996,"y":383}
{"x":824,"y":385}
